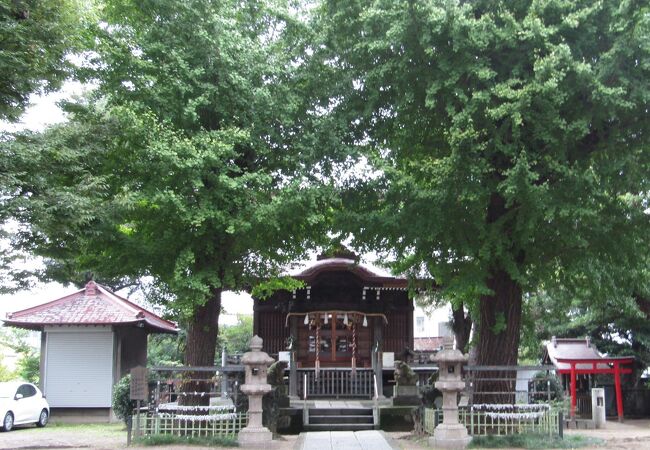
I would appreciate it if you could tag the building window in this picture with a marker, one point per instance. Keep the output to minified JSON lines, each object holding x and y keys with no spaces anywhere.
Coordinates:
{"x":419,"y":324}
{"x":444,"y":329}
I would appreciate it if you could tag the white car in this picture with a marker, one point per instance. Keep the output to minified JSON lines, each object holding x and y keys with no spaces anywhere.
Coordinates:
{"x":22,"y":403}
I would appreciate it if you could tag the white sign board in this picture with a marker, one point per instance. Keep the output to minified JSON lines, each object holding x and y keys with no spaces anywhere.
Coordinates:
{"x":285,"y":356}
{"x":388,"y":359}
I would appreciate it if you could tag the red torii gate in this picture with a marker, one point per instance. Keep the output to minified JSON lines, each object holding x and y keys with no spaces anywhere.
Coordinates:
{"x":592,"y":366}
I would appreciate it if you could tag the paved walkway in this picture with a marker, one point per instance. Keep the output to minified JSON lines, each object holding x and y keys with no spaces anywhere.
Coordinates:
{"x":343,"y":440}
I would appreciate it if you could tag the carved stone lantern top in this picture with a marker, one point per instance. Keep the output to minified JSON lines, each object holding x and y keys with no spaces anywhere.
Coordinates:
{"x":450,"y":363}
{"x":256,"y":363}
{"x":256,"y":357}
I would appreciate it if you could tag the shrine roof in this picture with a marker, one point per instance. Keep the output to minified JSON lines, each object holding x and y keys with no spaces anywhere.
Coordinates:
{"x":93,"y":305}
{"x":559,"y":350}
{"x":368,"y":275}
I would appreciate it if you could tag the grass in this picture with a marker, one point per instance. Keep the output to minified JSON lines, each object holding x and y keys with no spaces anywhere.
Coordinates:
{"x":168,"y":439}
{"x":533,"y":441}
{"x":88,"y":426}
{"x":95,"y":429}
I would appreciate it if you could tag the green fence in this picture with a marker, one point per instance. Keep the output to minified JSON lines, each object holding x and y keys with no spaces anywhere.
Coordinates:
{"x":481,"y":423}
{"x":222,"y":425}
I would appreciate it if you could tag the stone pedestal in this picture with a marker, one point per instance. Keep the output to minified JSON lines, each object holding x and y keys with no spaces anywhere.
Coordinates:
{"x":450,"y":436}
{"x":450,"y":433}
{"x":406,"y":396}
{"x":256,"y":363}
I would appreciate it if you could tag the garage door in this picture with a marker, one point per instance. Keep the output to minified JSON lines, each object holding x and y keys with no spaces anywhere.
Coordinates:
{"x":79,"y":370}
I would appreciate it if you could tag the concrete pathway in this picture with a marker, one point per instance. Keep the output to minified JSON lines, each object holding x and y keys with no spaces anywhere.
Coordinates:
{"x":343,"y":440}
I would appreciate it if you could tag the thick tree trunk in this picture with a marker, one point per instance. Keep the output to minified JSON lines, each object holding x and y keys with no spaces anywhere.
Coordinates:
{"x":498,"y":344}
{"x":202,"y":333}
{"x":462,"y":327}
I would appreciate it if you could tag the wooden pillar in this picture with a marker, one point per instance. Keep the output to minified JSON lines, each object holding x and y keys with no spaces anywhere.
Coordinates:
{"x":333,"y":338}
{"x":293,"y":369}
{"x":619,"y":393}
{"x":378,"y":331}
{"x":573,"y":390}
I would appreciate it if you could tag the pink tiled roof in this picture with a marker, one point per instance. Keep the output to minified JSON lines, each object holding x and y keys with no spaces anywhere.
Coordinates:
{"x":93,"y":305}
{"x":427,"y":344}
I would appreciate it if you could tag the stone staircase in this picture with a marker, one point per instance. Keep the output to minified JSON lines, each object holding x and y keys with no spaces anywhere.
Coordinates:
{"x":339,"y":419}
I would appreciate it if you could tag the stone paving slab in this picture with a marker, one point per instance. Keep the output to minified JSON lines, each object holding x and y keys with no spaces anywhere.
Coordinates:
{"x":343,"y":440}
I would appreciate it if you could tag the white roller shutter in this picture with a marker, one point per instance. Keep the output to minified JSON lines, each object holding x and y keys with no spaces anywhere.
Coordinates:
{"x":79,"y":369}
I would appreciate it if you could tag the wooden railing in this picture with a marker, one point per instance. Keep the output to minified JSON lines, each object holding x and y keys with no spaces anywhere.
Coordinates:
{"x":218,"y":425}
{"x":336,"y":383}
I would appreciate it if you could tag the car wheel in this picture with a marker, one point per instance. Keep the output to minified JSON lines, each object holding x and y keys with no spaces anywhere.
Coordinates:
{"x":8,"y":422}
{"x":42,"y":419}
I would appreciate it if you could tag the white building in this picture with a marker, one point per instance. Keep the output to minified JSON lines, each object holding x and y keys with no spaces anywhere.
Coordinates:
{"x":430,"y":326}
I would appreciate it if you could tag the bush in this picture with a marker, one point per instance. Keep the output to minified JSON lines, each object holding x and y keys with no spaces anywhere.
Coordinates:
{"x":122,"y":404}
{"x":533,"y":441}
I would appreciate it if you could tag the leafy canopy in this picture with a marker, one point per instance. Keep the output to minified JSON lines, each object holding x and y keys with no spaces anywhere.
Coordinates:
{"x":184,"y":164}
{"x":509,"y":136}
{"x":37,"y":37}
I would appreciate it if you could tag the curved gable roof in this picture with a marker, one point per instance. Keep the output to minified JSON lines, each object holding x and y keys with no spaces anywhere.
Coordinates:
{"x":370,"y":277}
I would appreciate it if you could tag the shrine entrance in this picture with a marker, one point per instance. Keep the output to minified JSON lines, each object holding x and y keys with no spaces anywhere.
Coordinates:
{"x":335,"y":338}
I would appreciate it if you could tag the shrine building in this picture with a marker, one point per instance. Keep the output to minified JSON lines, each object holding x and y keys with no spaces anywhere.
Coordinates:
{"x":341,"y":331}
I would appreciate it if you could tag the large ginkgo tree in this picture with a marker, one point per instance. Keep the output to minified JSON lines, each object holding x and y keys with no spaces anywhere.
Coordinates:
{"x":510,"y":142}
{"x":185,"y":166}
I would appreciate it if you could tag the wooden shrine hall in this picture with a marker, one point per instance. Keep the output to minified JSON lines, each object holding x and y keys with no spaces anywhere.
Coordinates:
{"x":339,"y":330}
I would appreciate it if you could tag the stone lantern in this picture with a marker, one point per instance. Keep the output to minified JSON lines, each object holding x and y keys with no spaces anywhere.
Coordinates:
{"x":450,"y":433}
{"x":256,"y":363}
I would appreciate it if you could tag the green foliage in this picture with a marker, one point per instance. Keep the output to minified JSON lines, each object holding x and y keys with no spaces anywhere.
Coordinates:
{"x":236,"y":337}
{"x":544,"y":383}
{"x":5,"y":373}
{"x":185,"y":165}
{"x":122,"y":404}
{"x":166,"y":350}
{"x":265,"y":289}
{"x":533,"y":441}
{"x":28,"y":367}
{"x":504,"y":137}
{"x":168,"y":439}
{"x":36,"y":37}
{"x":28,"y":363}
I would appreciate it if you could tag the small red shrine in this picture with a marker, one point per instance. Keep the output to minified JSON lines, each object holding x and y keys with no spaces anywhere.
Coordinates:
{"x":576,"y":357}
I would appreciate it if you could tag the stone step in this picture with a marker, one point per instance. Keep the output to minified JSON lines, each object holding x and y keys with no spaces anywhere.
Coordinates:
{"x":340,"y":411}
{"x":342,"y":419}
{"x":339,"y":427}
